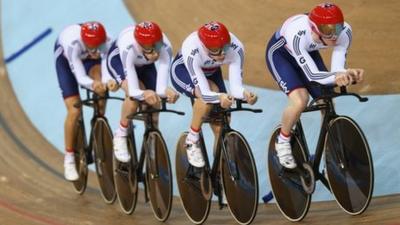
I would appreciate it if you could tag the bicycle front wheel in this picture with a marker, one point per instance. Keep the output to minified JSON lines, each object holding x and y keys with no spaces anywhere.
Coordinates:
{"x":125,"y":178}
{"x":80,"y":157}
{"x":291,"y":199}
{"x":349,"y":165}
{"x":103,"y":152}
{"x":239,"y":178}
{"x":158,"y":176}
{"x":196,"y":206}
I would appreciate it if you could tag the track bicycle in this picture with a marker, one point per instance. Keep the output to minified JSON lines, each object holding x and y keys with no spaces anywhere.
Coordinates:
{"x":152,"y":168}
{"x":233,"y":174}
{"x":100,"y":144}
{"x":348,"y":171}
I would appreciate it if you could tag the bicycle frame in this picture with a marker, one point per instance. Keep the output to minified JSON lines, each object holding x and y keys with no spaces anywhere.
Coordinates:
{"x":147,"y":117}
{"x":220,"y":148}
{"x":328,"y":109}
{"x":149,"y":127}
{"x":92,"y":100}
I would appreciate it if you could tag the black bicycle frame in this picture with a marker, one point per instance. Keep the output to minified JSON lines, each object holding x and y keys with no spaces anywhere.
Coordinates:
{"x":149,"y":127}
{"x":222,"y":115}
{"x":328,"y":109}
{"x":92,"y":100}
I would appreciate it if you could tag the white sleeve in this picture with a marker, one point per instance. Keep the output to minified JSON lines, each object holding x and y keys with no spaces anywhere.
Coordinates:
{"x":199,"y":79}
{"x":297,"y":44}
{"x":127,"y":58}
{"x":236,"y":74}
{"x":105,"y":75}
{"x":163,"y":65}
{"x":339,"y":53}
{"x":77,"y":67}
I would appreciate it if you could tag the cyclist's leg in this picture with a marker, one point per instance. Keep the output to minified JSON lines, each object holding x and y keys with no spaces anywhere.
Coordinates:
{"x":319,"y":62}
{"x":148,"y":80}
{"x":93,"y":68}
{"x":70,"y":93}
{"x":217,"y":84}
{"x":116,"y":70}
{"x":287,"y":74}
{"x":183,"y":83}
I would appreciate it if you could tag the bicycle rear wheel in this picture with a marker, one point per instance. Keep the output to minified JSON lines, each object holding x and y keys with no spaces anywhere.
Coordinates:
{"x":349,"y":165}
{"x":125,"y":178}
{"x":158,"y":176}
{"x":239,"y":178}
{"x":291,"y":199}
{"x":80,"y":157}
{"x":194,"y":204}
{"x":103,"y":152}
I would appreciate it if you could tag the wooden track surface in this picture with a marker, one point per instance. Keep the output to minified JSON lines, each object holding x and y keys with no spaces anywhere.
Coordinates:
{"x":33,"y":191}
{"x":374,"y":47}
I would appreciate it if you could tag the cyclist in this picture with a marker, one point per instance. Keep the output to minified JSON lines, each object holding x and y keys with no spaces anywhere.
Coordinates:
{"x":196,"y":72}
{"x":132,"y":62}
{"x":80,"y":52}
{"x":293,"y":59}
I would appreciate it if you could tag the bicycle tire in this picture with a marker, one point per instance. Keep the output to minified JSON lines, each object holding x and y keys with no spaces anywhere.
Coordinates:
{"x":125,"y":178}
{"x":80,"y":147}
{"x":291,"y":199}
{"x":159,"y":176}
{"x":245,"y":184}
{"x":103,"y":158}
{"x":194,"y":204}
{"x":351,"y":180}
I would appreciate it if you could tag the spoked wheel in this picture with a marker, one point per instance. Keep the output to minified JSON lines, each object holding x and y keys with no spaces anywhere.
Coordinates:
{"x":349,"y":165}
{"x":239,"y":178}
{"x":125,"y":179}
{"x":80,"y":158}
{"x":195,"y":205}
{"x":159,"y":176}
{"x":103,"y":152}
{"x":286,"y":185}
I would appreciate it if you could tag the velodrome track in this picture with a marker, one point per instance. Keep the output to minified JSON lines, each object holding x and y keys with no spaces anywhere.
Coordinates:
{"x":32,"y":189}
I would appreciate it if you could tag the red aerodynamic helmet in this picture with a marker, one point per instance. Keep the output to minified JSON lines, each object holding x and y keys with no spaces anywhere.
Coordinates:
{"x":93,"y":34}
{"x":147,"y":33}
{"x":328,"y":19}
{"x":214,"y":35}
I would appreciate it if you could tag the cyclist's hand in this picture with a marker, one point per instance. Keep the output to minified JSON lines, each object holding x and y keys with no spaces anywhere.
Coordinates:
{"x":357,"y":74}
{"x":98,"y":87}
{"x":225,"y":100}
{"x":112,"y":85}
{"x":250,"y":97}
{"x":150,"y":97}
{"x":343,"y":79}
{"x":172,"y":95}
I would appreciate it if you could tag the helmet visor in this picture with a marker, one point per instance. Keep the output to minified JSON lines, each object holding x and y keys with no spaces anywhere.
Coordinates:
{"x":150,"y":49}
{"x":98,"y":49}
{"x":330,"y":31}
{"x":218,"y":51}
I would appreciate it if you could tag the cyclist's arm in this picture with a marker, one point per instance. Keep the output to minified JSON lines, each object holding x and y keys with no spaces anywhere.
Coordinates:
{"x":163,"y":70}
{"x":236,"y":73}
{"x":339,"y":52}
{"x":105,"y":75}
{"x":127,"y":58}
{"x":199,"y":79}
{"x":77,"y":67}
{"x":297,"y":45}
